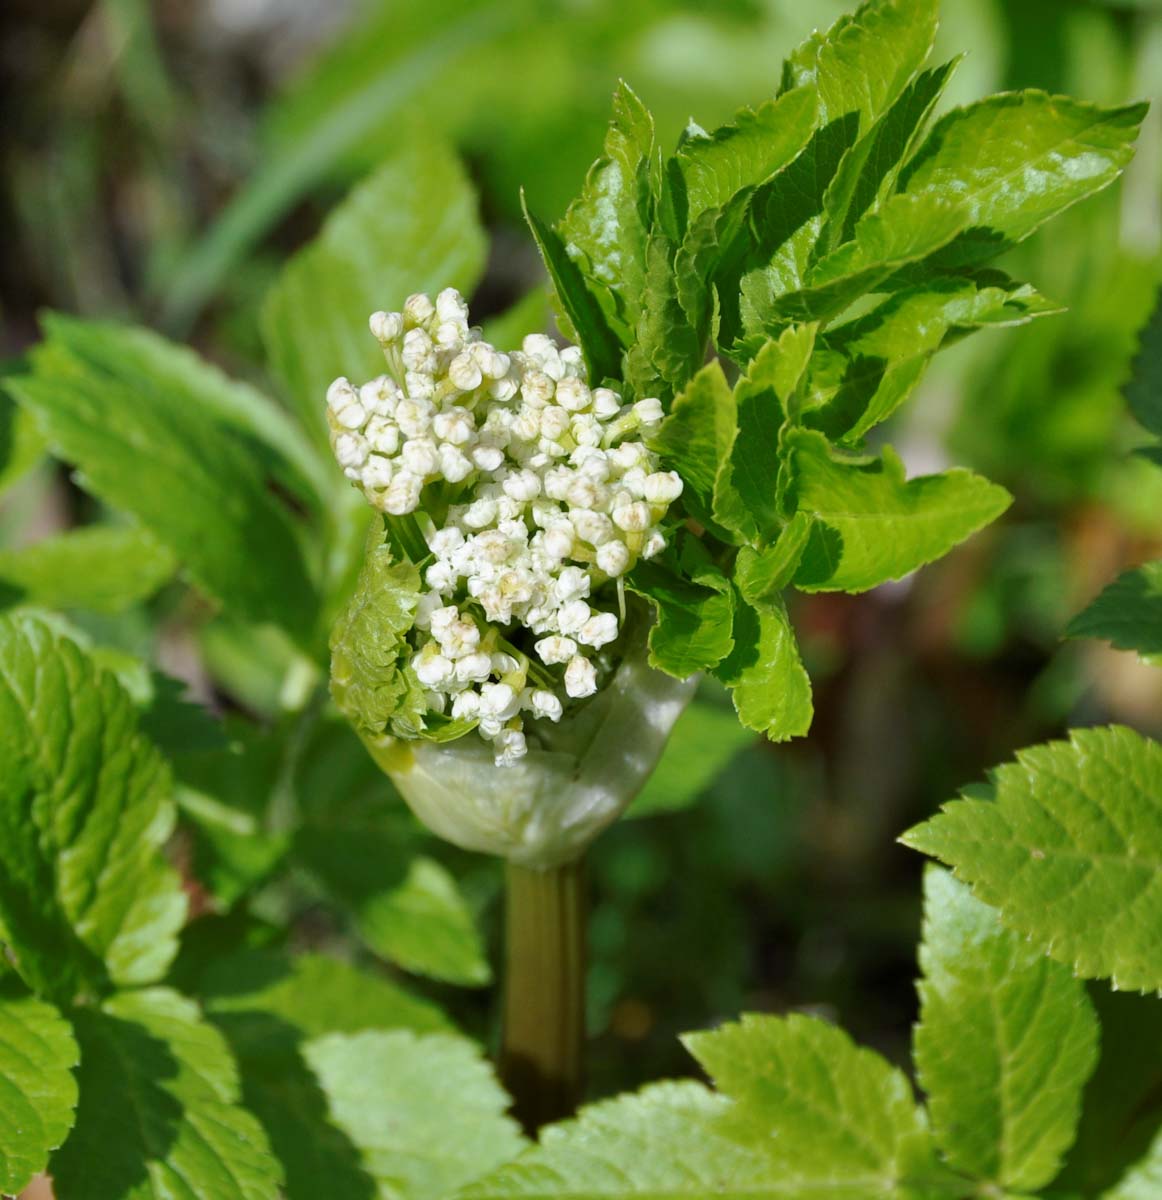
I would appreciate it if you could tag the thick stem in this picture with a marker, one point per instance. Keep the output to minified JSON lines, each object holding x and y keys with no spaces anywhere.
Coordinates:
{"x":544,"y":992}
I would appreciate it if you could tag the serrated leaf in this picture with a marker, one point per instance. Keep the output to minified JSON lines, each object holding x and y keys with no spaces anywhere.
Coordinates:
{"x":424,"y":925}
{"x":692,"y":631}
{"x":865,"y":369}
{"x":606,"y":227}
{"x":37,"y":1090}
{"x":905,"y":229}
{"x":158,"y":433}
{"x":1069,"y":850}
{"x":425,"y":1111}
{"x":585,"y":319}
{"x":704,"y":741}
{"x":748,"y":494}
{"x":756,"y":143}
{"x":411,"y":227}
{"x":158,"y":1115}
{"x":1014,"y":160}
{"x":802,"y":1114}
{"x":105,"y":568}
{"x":1144,"y":390}
{"x":870,"y":167}
{"x":1127,"y":614}
{"x":1006,"y":1040}
{"x":872,"y":525}
{"x":767,"y":681}
{"x":86,"y":899}
{"x":866,"y":59}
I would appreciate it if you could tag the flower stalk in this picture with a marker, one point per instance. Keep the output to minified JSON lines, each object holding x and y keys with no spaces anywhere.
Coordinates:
{"x":543,"y":1032}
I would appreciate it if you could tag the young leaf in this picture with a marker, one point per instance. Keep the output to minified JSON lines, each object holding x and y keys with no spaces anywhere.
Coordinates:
{"x":1070,"y":851}
{"x":1128,"y":613}
{"x":410,"y":227}
{"x":1015,"y":160}
{"x":870,"y":167}
{"x":803,"y":1114}
{"x":767,"y":681}
{"x":161,"y":435}
{"x":424,"y":925}
{"x":1005,"y":1043}
{"x":693,"y":628}
{"x":105,"y":568}
{"x":37,"y":1090}
{"x":866,"y":59}
{"x":86,"y":899}
{"x":425,"y":1112}
{"x":866,"y":368}
{"x":704,"y":741}
{"x":716,"y":166}
{"x":158,"y":1115}
{"x":606,"y":228}
{"x":871,"y":524}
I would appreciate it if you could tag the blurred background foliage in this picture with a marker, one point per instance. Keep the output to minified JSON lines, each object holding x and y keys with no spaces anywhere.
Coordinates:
{"x":161,"y":160}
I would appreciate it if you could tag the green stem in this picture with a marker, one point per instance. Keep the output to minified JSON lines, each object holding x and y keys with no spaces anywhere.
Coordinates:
{"x":544,"y":992}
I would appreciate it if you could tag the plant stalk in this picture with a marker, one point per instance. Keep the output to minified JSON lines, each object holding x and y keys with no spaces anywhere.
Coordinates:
{"x":543,"y":1035}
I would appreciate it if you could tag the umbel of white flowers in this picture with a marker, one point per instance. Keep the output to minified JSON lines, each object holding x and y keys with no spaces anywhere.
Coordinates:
{"x":553,"y":496}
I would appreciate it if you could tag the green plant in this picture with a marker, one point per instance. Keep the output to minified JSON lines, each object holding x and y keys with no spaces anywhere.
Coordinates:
{"x":819,"y":249}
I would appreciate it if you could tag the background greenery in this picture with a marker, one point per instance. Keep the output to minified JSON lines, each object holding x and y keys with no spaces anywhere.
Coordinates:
{"x":160,"y":163}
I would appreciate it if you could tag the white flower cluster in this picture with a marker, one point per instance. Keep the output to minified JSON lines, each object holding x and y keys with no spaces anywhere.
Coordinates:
{"x":550,"y":495}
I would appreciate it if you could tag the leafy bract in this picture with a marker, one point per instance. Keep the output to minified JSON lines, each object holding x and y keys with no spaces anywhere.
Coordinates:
{"x":86,"y":899}
{"x":1070,"y":850}
{"x":1128,"y":613}
{"x":158,"y":1115}
{"x":106,"y":568}
{"x":872,"y":525}
{"x":423,"y":924}
{"x":865,"y":60}
{"x":411,"y":227}
{"x":192,"y":455}
{"x":37,"y":1090}
{"x":1013,"y":161}
{"x":802,"y":1113}
{"x":425,"y":1111}
{"x":1005,"y":1043}
{"x":368,"y":681}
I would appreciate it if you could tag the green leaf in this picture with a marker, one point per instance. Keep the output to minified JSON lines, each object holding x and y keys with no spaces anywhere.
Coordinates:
{"x":158,"y":1115}
{"x":693,"y":627}
{"x":866,"y":59}
{"x":105,"y":568}
{"x":767,"y":681}
{"x":367,"y":642}
{"x":21,"y":444}
{"x":865,"y":369}
{"x":37,"y":1090}
{"x":410,"y":227}
{"x":1006,"y":1040}
{"x":704,"y":741}
{"x":871,"y":524}
{"x":424,"y":925}
{"x":1128,"y":614}
{"x":606,"y":227}
{"x":425,"y":1111}
{"x":757,"y":142}
{"x":1144,"y":1180}
{"x":166,"y":437}
{"x":869,"y":169}
{"x":1144,"y":390}
{"x":585,"y":319}
{"x":1070,"y":851}
{"x":86,"y":899}
{"x":803,"y":1114}
{"x":765,"y":396}
{"x":905,"y":229}
{"x":1015,"y":160}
